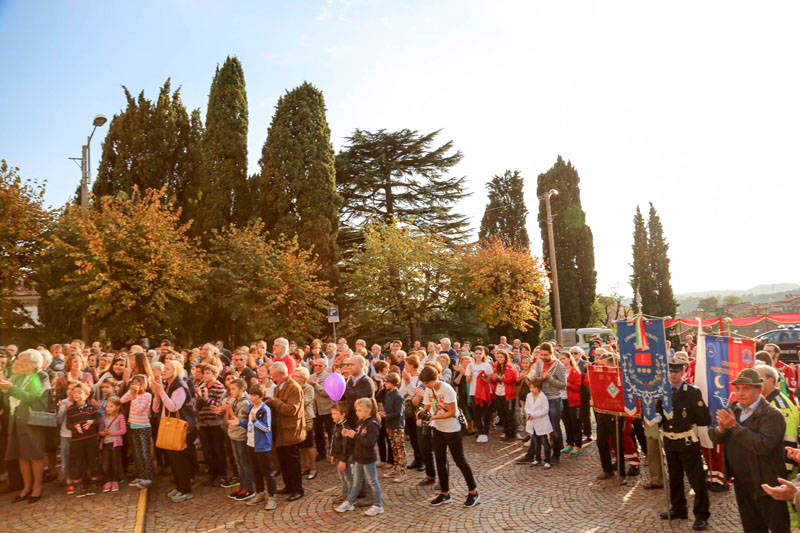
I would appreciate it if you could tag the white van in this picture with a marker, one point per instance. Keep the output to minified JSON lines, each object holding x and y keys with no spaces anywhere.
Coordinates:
{"x":581,"y":337}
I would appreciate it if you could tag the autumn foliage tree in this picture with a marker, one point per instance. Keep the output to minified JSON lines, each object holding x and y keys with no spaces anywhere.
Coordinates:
{"x":264,"y":288}
{"x":503,"y":284}
{"x":400,"y":275}
{"x":128,"y":264}
{"x":24,"y":223}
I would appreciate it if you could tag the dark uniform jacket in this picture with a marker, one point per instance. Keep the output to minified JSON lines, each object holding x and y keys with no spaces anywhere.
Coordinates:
{"x":688,"y":409}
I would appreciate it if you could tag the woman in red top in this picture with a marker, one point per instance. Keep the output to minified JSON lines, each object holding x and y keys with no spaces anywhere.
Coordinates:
{"x":569,"y":413}
{"x":505,"y":376}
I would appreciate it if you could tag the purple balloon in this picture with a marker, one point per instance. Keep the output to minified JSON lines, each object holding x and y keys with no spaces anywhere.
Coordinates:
{"x":334,"y":386}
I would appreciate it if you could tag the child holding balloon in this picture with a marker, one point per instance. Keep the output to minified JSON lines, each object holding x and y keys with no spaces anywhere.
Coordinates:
{"x":341,"y":451}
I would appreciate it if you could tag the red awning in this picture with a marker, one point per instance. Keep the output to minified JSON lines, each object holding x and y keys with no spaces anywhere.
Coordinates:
{"x":785,"y":318}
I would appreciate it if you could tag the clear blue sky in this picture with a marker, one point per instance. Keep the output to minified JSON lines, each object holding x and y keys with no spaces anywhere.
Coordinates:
{"x":691,"y":105}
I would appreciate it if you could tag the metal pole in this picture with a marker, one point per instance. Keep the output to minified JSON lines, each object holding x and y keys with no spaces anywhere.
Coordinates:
{"x":554,"y":270}
{"x":665,"y":473}
{"x":84,"y":177}
{"x":334,"y":331}
{"x":618,"y":440}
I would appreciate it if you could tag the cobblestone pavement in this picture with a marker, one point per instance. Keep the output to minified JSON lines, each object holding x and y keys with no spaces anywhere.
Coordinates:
{"x":513,"y":498}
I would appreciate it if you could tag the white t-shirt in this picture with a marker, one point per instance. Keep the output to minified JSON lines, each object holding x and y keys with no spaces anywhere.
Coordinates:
{"x":476,"y":368}
{"x":438,"y":400}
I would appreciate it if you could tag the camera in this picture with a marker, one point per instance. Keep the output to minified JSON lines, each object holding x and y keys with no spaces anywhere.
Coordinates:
{"x":424,"y":416}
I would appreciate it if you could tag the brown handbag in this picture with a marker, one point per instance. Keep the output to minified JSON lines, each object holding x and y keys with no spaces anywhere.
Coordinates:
{"x":172,"y":433}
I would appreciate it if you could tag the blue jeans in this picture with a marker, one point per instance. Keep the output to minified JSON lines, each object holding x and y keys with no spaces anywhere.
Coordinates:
{"x":368,"y":472}
{"x":346,"y":477}
{"x":555,"y":420}
{"x":243,"y":465}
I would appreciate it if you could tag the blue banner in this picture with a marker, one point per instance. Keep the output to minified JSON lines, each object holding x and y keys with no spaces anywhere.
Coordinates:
{"x":645,"y":375}
{"x":717,"y":368}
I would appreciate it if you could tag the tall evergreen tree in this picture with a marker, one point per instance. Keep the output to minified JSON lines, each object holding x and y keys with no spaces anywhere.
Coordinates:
{"x":223,"y":197}
{"x":297,"y":183}
{"x":573,"y":241}
{"x":505,"y":213}
{"x":642,"y":277}
{"x":400,"y":175}
{"x":151,"y":145}
{"x":659,"y":265}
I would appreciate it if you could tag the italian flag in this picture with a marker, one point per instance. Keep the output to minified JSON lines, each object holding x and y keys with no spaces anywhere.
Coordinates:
{"x":641,"y":343}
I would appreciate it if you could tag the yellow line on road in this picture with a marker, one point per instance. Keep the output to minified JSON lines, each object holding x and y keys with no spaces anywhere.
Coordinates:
{"x":141,"y":509}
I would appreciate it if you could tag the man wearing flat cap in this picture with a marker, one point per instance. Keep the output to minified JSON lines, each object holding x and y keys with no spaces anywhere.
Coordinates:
{"x":682,"y":445}
{"x":752,"y":431}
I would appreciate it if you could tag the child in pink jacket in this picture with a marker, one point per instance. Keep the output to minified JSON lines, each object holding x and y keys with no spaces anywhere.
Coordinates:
{"x":112,"y":429}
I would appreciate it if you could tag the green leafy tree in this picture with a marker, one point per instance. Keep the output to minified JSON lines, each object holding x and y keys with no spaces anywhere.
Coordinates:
{"x":271,"y":288}
{"x":642,"y":277}
{"x":128,"y":264}
{"x":506,"y":213}
{"x":24,"y":225}
{"x":224,"y":196}
{"x":573,"y":241}
{"x":297,"y":183}
{"x":399,"y":276}
{"x":708,"y":305}
{"x":659,"y":261}
{"x":152,"y":145}
{"x":400,"y":175}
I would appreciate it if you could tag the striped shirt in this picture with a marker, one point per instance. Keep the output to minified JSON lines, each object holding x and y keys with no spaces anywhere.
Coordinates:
{"x":216,"y":393}
{"x":77,"y":415}
{"x":139,"y":416}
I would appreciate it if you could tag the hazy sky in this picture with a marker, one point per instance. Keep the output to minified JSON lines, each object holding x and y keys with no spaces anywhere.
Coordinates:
{"x":692,"y":105}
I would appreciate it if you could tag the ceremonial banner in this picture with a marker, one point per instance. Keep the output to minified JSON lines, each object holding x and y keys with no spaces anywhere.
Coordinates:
{"x":725,"y":358}
{"x":701,"y":381}
{"x":605,"y":385}
{"x":645,"y":378}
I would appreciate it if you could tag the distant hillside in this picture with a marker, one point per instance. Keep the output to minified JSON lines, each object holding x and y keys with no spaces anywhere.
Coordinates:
{"x":759,"y":294}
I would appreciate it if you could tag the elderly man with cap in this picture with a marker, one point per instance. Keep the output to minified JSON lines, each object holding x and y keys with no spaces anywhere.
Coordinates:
{"x":682,"y":445}
{"x":753,"y":431}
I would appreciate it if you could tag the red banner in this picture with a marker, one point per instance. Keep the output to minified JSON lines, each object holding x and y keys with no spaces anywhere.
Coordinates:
{"x":605,"y":385}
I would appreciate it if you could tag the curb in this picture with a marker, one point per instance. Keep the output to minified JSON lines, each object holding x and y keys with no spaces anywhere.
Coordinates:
{"x":141,"y":509}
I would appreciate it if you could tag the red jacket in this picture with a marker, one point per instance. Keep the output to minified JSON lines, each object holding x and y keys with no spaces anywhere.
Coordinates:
{"x":509,"y":379}
{"x":574,"y":379}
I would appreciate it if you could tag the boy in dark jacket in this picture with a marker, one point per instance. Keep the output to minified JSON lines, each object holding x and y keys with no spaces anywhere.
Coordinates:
{"x":341,"y":451}
{"x":395,"y":423}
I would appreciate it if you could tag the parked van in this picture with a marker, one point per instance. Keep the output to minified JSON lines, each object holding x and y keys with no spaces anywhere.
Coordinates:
{"x":581,"y":337}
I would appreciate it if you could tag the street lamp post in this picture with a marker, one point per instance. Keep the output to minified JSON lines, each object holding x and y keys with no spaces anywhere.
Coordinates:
{"x":85,"y":160}
{"x":553,"y":265}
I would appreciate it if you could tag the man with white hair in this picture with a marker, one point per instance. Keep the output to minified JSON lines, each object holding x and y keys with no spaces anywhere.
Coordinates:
{"x":280,"y":348}
{"x":771,"y":392}
{"x":288,"y":425}
{"x":447,"y":348}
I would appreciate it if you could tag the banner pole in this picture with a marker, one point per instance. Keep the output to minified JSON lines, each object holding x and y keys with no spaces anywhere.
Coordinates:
{"x":665,"y":474}
{"x":618,"y":439}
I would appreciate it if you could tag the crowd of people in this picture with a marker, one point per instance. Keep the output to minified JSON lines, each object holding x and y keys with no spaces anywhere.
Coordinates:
{"x":90,"y":417}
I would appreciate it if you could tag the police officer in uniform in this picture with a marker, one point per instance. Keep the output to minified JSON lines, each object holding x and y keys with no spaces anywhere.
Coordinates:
{"x":682,"y":446}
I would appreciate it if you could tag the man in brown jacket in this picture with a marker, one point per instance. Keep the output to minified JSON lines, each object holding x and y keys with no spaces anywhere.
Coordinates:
{"x":752,"y":431}
{"x":288,"y":425}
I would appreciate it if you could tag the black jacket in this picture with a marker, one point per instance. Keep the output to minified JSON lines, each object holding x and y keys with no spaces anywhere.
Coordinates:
{"x":393,"y":407}
{"x":364,"y":441}
{"x":341,"y":447}
{"x":364,"y":388}
{"x":754,"y":448}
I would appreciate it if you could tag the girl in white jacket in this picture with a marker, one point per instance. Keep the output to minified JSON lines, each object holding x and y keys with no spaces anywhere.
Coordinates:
{"x":537,"y":410}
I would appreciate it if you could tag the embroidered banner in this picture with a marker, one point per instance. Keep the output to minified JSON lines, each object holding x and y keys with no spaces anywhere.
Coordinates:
{"x":645,"y":378}
{"x":605,"y":385}
{"x":725,"y":358}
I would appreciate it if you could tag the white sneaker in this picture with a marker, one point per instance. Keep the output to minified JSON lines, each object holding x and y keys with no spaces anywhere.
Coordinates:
{"x":546,"y":466}
{"x":182,"y":497}
{"x":271,"y":504}
{"x":173,"y":492}
{"x":372,"y":511}
{"x":483,"y":438}
{"x":344,"y":507}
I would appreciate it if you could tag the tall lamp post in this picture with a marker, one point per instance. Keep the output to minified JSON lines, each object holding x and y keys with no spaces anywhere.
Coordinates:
{"x":85,"y":160}
{"x":553,"y":266}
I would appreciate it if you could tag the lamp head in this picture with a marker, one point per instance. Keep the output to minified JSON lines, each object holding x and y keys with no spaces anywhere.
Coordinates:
{"x":99,"y":120}
{"x":552,"y":192}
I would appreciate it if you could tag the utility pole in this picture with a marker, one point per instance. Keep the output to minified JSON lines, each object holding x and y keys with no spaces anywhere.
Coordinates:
{"x":85,"y":160}
{"x":553,"y":265}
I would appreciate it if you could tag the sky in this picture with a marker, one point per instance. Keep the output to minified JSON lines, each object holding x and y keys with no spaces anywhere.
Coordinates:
{"x":691,"y":105}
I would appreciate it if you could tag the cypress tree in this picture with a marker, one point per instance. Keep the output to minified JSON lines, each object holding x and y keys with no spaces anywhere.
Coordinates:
{"x":151,"y":145}
{"x":505,"y":213}
{"x":659,"y":266}
{"x":223,"y":197}
{"x":573,"y":242}
{"x":297,"y":183}
{"x":642,"y":277}
{"x":400,"y":175}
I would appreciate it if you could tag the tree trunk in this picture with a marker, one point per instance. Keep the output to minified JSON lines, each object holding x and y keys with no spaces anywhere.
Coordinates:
{"x":415,"y":331}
